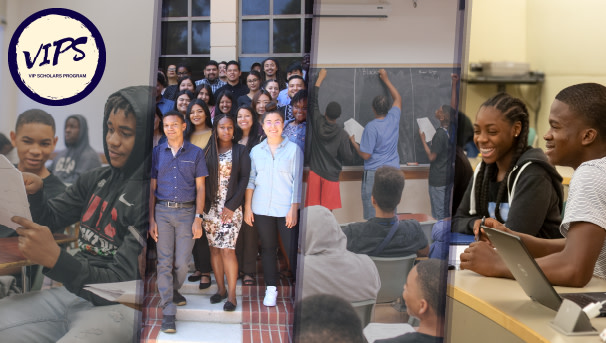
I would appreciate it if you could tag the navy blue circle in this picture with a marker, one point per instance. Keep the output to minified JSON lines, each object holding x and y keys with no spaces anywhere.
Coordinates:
{"x":12,"y":56}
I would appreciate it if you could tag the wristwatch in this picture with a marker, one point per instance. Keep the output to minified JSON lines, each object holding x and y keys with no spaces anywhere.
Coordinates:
{"x":198,"y":215}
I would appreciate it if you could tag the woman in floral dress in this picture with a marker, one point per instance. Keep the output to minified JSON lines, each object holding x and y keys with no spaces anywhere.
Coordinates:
{"x":228,"y":166}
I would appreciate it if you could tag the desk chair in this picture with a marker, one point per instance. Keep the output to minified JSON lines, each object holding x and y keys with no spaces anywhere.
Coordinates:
{"x":393,"y":272}
{"x":364,"y":310}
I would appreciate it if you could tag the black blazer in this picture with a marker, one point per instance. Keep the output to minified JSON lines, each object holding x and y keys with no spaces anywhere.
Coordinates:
{"x":238,"y":180}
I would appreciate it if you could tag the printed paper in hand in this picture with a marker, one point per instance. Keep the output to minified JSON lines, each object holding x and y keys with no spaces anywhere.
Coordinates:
{"x":352,"y":127}
{"x":13,"y":199}
{"x":427,"y":127}
{"x":129,"y":292}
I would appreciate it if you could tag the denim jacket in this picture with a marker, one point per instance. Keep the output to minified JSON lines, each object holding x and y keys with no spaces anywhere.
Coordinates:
{"x":276,"y":180}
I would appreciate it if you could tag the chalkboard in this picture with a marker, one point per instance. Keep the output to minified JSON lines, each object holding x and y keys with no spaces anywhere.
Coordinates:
{"x":423,"y":91}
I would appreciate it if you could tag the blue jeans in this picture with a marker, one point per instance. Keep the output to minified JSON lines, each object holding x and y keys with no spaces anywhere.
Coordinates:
{"x":368,"y":180}
{"x":175,"y":243}
{"x":57,"y":315}
{"x":440,"y":201}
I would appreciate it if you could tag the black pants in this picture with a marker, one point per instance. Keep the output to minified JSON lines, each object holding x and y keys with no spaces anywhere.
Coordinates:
{"x":247,"y":248}
{"x":201,"y":253}
{"x":268,"y":233}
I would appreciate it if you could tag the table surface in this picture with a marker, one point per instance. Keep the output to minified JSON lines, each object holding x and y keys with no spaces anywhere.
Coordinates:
{"x":11,"y":257}
{"x":504,"y":302}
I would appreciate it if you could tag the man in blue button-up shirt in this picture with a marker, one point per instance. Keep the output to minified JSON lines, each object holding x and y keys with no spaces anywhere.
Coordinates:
{"x":176,"y":205}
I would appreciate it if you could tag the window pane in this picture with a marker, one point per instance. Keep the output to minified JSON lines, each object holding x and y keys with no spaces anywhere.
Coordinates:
{"x":255,"y":7}
{"x":200,"y":42}
{"x":174,"y":8}
{"x":174,"y":38}
{"x":287,"y":35}
{"x":308,"y":26}
{"x":200,"y":8}
{"x":195,"y":64}
{"x":309,"y":6}
{"x":246,"y":62}
{"x":255,"y":36}
{"x":287,"y":6}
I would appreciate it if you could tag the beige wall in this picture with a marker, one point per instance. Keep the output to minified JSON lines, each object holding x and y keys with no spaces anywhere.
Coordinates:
{"x":563,"y":39}
{"x":128,"y":30}
{"x":421,"y":35}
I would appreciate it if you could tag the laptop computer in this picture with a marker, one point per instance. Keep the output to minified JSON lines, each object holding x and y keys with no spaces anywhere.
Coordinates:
{"x":531,"y":278}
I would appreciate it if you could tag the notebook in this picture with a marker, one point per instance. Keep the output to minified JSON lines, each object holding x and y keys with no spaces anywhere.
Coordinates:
{"x":531,"y":278}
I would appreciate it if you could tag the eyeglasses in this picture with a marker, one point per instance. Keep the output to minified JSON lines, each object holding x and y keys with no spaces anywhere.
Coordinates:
{"x":171,"y":69}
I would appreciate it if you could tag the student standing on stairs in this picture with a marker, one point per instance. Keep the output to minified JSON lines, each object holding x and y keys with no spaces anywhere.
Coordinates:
{"x":175,"y":207}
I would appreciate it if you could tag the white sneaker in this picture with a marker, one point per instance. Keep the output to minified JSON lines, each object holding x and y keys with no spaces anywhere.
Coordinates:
{"x":270,"y":296}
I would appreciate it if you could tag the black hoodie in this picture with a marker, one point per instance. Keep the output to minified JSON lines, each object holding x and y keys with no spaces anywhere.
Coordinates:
{"x":76,"y":158}
{"x":111,"y":205}
{"x":537,"y":198}
{"x":330,"y":144}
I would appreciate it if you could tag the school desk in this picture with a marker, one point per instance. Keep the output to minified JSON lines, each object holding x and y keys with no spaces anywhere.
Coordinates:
{"x":485,"y":309}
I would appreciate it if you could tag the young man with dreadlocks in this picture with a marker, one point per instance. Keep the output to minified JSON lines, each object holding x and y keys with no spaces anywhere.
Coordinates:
{"x":575,"y":139}
{"x":514,"y":183}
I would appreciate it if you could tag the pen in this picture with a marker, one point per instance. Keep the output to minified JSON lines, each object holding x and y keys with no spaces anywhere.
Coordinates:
{"x":480,"y":229}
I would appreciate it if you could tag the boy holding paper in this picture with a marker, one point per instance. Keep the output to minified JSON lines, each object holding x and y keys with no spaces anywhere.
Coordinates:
{"x":111,"y":204}
{"x":439,"y":155}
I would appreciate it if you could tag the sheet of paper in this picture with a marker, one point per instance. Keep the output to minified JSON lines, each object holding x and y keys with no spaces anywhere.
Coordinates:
{"x":375,"y":331}
{"x":352,"y":127}
{"x":130,"y":292}
{"x":426,"y":126}
{"x":13,"y":199}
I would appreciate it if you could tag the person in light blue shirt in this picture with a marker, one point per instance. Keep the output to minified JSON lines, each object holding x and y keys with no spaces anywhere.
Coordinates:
{"x":273,"y":196}
{"x":379,"y":144}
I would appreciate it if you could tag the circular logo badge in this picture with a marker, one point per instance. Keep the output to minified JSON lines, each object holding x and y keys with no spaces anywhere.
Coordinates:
{"x":56,"y":56}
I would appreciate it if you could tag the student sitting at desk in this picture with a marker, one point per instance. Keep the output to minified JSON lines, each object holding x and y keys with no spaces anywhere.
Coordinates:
{"x":408,"y":237}
{"x":514,"y":183}
{"x":328,"y":267}
{"x":424,"y":294}
{"x":576,"y":138}
{"x":34,"y":139}
{"x":112,"y":211}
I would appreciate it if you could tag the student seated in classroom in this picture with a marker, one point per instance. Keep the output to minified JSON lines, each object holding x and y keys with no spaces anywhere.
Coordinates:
{"x":424,"y":294}
{"x":379,"y":144}
{"x":327,"y":318}
{"x":34,"y":139}
{"x":328,"y":267}
{"x":576,"y":138}
{"x":329,"y":148}
{"x":385,"y":235}
{"x":514,"y":183}
{"x":111,"y":204}
{"x":78,"y":156}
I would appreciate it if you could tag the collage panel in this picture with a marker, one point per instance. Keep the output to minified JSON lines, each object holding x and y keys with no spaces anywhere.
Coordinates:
{"x":304,"y":165}
{"x":77,"y":105}
{"x":531,"y":63}
{"x":384,"y":94}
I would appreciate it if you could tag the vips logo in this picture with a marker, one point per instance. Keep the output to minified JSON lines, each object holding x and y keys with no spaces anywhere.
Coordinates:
{"x":56,"y":56}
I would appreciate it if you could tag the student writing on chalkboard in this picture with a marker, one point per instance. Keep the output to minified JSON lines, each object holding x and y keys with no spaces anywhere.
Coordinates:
{"x":329,"y":147}
{"x":379,"y":144}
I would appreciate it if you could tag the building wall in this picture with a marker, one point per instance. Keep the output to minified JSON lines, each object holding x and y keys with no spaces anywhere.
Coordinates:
{"x":562,"y":39}
{"x":128,"y":29}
